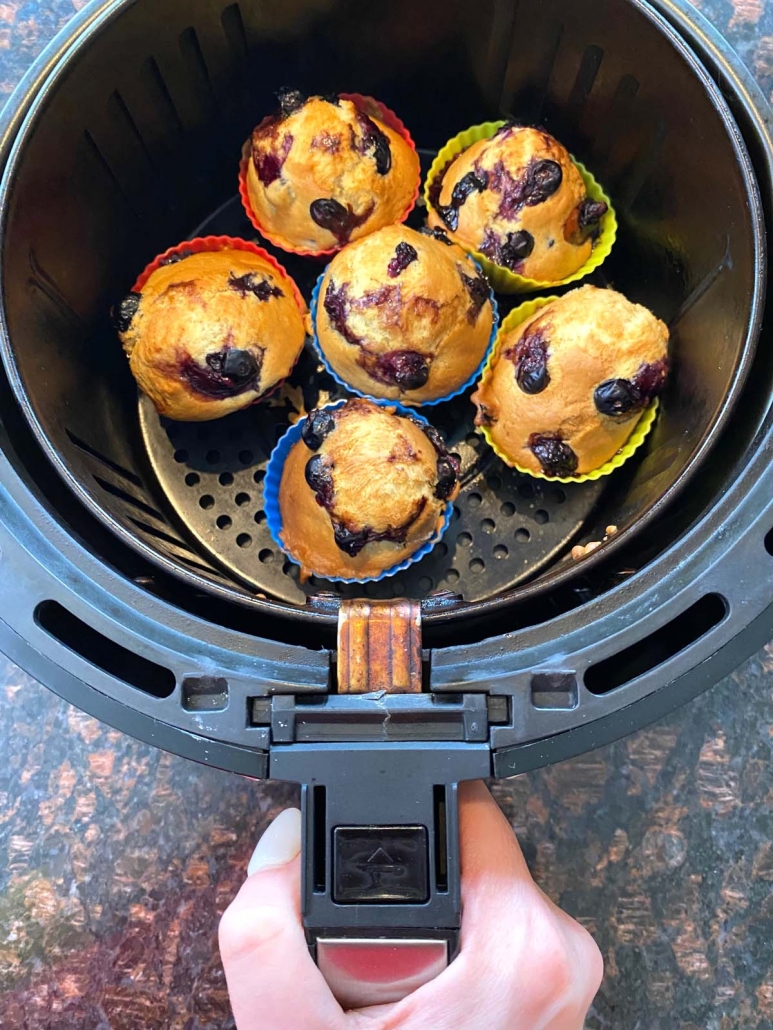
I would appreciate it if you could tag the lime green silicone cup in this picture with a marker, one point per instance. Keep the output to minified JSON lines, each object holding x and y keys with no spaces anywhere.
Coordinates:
{"x":632,"y":444}
{"x":502,"y":279}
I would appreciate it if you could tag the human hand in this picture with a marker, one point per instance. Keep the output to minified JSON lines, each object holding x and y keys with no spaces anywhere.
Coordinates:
{"x":523,"y":963}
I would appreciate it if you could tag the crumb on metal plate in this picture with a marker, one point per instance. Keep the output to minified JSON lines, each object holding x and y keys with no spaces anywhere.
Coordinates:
{"x":582,"y":550}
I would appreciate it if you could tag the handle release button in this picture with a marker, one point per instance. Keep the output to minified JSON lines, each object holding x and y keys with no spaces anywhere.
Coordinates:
{"x":380,"y":864}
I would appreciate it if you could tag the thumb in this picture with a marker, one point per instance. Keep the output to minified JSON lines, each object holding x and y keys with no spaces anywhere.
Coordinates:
{"x":272,"y":980}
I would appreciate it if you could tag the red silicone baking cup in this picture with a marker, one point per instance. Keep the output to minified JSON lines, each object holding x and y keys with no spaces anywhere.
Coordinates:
{"x":204,"y":244}
{"x":368,"y":105}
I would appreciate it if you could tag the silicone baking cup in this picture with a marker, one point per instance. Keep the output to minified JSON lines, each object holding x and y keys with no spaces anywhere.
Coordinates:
{"x":418,"y":404}
{"x":203,"y":244}
{"x":516,"y":317}
{"x":502,"y":279}
{"x":273,"y":482}
{"x":370,"y":106}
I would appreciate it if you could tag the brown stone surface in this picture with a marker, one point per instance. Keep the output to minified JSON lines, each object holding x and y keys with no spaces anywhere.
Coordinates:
{"x":116,"y":859}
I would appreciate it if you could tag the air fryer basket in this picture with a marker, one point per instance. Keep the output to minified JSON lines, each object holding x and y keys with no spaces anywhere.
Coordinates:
{"x":136,"y":574}
{"x":135,"y":151}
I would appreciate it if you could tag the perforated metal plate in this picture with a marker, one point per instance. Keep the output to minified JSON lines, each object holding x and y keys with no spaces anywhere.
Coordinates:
{"x":506,"y":526}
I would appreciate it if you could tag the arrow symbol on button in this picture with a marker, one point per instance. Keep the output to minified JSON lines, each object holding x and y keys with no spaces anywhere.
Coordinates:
{"x":379,"y":858}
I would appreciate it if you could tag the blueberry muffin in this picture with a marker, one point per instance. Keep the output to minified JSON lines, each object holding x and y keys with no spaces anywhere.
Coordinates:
{"x":363,"y":490}
{"x":404,"y":315}
{"x":519,"y":199}
{"x":567,"y":386}
{"x":211,"y":332}
{"x":324,"y":171}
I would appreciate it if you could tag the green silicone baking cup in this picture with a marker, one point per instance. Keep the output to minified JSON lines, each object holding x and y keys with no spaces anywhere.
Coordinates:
{"x":502,"y":279}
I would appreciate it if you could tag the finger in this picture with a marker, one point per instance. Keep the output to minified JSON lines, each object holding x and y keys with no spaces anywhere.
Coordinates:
{"x":494,"y":871}
{"x":498,"y":890}
{"x":272,"y":980}
{"x":516,"y":968}
{"x":585,"y":953}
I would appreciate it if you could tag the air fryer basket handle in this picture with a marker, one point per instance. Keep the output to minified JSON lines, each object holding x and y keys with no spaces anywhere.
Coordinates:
{"x":380,"y":886}
{"x":380,"y":762}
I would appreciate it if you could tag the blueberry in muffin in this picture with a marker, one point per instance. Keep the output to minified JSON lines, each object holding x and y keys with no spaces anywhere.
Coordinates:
{"x":322,"y":171}
{"x":519,"y":199}
{"x":404,"y":315}
{"x":211,"y":332}
{"x":363,"y":490}
{"x":567,"y":386}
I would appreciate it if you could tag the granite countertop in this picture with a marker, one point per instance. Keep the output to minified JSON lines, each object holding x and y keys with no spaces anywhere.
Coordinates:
{"x":116,"y":859}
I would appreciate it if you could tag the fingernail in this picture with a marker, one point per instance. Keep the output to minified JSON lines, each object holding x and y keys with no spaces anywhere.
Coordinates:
{"x":279,"y":844}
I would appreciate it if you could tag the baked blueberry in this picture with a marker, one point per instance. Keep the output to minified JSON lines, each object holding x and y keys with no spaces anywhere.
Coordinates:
{"x":555,"y":456}
{"x":530,"y":357}
{"x":339,"y":220}
{"x":404,"y":255}
{"x":226,"y":373}
{"x":259,"y":286}
{"x":470,"y":183}
{"x":126,"y":311}
{"x":510,"y":250}
{"x":617,"y":397}
{"x":318,"y":425}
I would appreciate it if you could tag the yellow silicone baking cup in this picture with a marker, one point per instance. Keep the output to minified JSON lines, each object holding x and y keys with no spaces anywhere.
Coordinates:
{"x":632,"y":444}
{"x":502,"y":279}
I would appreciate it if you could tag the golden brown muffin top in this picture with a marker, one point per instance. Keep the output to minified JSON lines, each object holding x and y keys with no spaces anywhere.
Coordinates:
{"x":568,"y":385}
{"x":408,"y":303}
{"x":211,"y":332}
{"x":376,"y":473}
{"x":323,"y":172}
{"x":519,"y":199}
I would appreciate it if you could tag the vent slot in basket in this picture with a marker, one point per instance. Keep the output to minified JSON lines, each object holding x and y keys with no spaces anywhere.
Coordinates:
{"x":319,"y":820}
{"x":658,"y":647}
{"x":441,"y":838}
{"x":205,"y":694}
{"x":99,"y":650}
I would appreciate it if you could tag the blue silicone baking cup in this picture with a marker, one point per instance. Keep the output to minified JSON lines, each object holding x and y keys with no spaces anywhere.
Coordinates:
{"x":273,"y":481}
{"x":423,"y":404}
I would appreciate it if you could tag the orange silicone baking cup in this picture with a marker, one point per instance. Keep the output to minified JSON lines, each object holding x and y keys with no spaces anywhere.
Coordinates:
{"x":368,"y":105}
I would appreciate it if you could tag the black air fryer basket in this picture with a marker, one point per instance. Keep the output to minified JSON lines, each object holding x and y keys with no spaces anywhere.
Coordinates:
{"x":137,"y":575}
